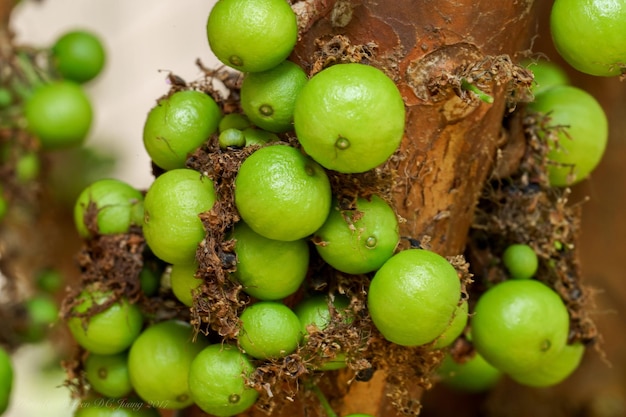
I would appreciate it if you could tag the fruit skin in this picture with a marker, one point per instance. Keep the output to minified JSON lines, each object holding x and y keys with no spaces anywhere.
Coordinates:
{"x":108,"y":374}
{"x":217,"y":381}
{"x":281,"y":193}
{"x":6,"y":379}
{"x":584,"y":140}
{"x":159,"y":362}
{"x":269,"y":280}
{"x":178,"y":125}
{"x":117,"y":205}
{"x":79,"y":55}
{"x":42,"y":311}
{"x":474,"y":375}
{"x":455,"y":328}
{"x":554,"y":371}
{"x":107,"y":332}
{"x":518,"y":325}
{"x":413,"y":296}
{"x":590,"y":35}
{"x":269,"y":329}
{"x":345,"y":239}
{"x":314,"y":311}
{"x":252,"y":36}
{"x":520,"y":260}
{"x":172,"y":226}
{"x":350,"y":117}
{"x":547,"y":74}
{"x":59,"y":114}
{"x":273,"y":91}
{"x":184,"y":282}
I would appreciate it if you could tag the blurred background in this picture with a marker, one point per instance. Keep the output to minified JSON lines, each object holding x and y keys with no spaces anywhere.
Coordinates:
{"x":146,"y":39}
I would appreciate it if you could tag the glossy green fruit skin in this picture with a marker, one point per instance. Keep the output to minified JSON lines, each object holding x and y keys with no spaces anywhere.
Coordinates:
{"x":172,"y":226}
{"x":178,"y":125}
{"x":161,"y":356}
{"x":346,"y":236}
{"x":253,"y":249}
{"x":519,"y":324}
{"x":590,"y":34}
{"x":521,"y":261}
{"x":107,"y":332}
{"x":455,"y":328}
{"x":108,"y":374}
{"x":475,"y":375}
{"x":582,"y":143}
{"x":79,"y":56}
{"x":218,"y":372}
{"x":412,"y":284}
{"x":116,"y":205}
{"x":59,"y":114}
{"x":555,"y":371}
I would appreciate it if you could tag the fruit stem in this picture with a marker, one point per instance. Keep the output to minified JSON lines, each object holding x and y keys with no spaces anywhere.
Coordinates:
{"x":467,"y":86}
{"x":321,"y":397}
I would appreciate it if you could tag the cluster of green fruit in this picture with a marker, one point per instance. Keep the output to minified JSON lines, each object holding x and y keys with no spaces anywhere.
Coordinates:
{"x":589,"y":35}
{"x":49,"y":102}
{"x":348,"y":118}
{"x":519,"y":327}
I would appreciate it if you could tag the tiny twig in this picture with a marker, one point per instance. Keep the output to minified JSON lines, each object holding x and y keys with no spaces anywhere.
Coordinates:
{"x":467,"y":86}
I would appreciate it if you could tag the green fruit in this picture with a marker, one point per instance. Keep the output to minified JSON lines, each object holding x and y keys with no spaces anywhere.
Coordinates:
{"x":42,"y":312}
{"x":252,"y":36}
{"x":554,"y":371}
{"x":108,"y":206}
{"x":108,"y":374}
{"x":172,"y":207}
{"x":589,"y":35}
{"x":521,"y":261}
{"x":519,"y":324}
{"x":269,"y":330}
{"x":281,"y":193}
{"x":178,"y":125}
{"x":413,"y":297}
{"x":59,"y":114}
{"x":350,"y":117}
{"x":159,"y":363}
{"x":217,"y":381}
{"x":582,"y":137}
{"x":79,"y":55}
{"x":474,"y":375}
{"x":107,"y":332}
{"x":361,"y":240}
